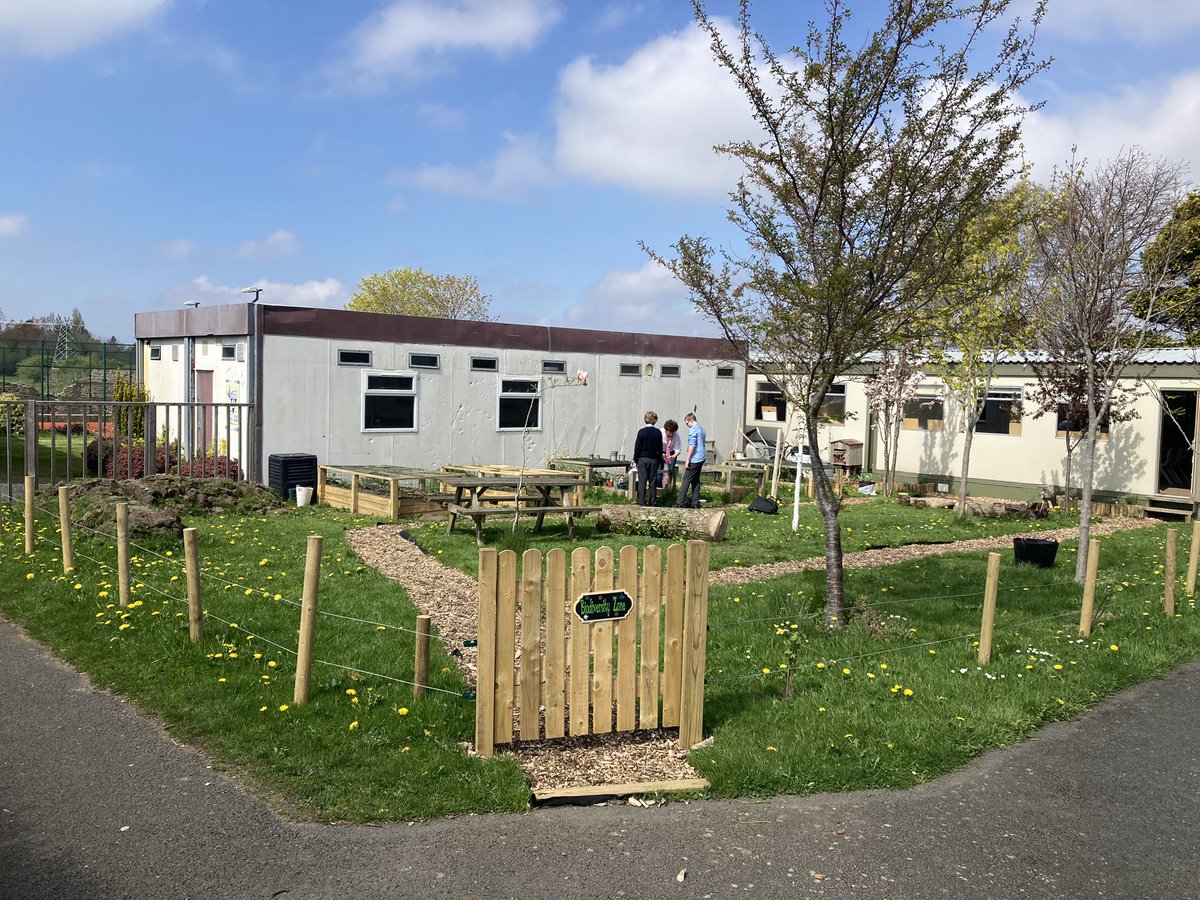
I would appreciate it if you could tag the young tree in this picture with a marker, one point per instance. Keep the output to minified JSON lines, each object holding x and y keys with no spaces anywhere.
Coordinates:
{"x":981,"y":319}
{"x":1090,"y":267}
{"x":413,"y":292}
{"x":853,"y":203}
{"x":893,"y":384}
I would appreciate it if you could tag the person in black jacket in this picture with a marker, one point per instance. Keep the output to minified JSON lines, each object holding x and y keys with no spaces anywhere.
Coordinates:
{"x":648,"y":455}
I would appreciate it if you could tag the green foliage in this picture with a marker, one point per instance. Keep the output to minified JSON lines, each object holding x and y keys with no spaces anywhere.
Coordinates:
{"x":126,"y":390}
{"x":15,"y":414}
{"x":413,"y":292}
{"x":1176,"y":251}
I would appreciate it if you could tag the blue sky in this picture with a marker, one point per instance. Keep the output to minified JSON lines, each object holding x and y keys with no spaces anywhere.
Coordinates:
{"x":156,"y":151}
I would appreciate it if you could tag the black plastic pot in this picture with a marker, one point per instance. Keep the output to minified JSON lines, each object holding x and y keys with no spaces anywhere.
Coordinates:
{"x":1039,"y":551}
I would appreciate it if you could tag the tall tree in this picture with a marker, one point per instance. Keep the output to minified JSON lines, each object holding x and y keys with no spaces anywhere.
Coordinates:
{"x":981,"y":319}
{"x":413,"y":292}
{"x":1090,"y":268}
{"x":1176,"y":305}
{"x":871,"y":164}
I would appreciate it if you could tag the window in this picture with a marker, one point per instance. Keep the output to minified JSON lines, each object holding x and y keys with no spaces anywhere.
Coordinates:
{"x":631,"y":369}
{"x":228,"y":351}
{"x":924,"y":412}
{"x":769,"y":405}
{"x":485,"y":364}
{"x":424,"y":361}
{"x":389,"y":401}
{"x":1001,"y":412}
{"x":520,"y":404}
{"x":156,"y":352}
{"x":669,"y":371}
{"x":354,"y":357}
{"x":724,"y":371}
{"x":554,"y":367}
{"x":833,"y":407}
{"x":1066,"y":424}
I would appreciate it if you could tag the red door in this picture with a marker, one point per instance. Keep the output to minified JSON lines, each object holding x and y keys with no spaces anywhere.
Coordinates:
{"x":204,"y":422}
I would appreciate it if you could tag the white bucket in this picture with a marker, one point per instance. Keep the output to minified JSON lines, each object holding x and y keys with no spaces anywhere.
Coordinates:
{"x":303,"y":495}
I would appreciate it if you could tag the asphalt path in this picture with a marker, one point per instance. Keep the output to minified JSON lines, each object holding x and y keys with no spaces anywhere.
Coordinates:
{"x":98,"y":801}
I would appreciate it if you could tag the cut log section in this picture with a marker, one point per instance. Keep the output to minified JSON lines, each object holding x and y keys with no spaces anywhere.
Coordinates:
{"x":665,"y":522}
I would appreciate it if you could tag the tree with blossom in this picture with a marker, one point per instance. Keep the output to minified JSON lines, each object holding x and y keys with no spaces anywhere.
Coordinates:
{"x":893,"y":384}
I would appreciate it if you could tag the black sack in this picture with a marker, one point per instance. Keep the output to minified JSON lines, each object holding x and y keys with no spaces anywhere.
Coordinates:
{"x":764,"y":505}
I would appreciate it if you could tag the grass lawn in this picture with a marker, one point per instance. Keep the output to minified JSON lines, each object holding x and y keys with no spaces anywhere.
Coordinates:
{"x":45,"y":452}
{"x":364,"y":750}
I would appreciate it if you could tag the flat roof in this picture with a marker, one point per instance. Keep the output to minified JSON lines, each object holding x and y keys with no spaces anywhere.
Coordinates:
{"x":348,"y":325}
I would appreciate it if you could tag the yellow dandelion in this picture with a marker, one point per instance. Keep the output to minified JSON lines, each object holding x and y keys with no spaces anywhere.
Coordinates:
{"x":262,"y":709}
{"x":908,"y":692}
{"x":353,"y":725}
{"x":772,"y":749}
{"x":1113,"y":647}
{"x":403,"y":711}
{"x":845,"y":671}
{"x":283,"y":707}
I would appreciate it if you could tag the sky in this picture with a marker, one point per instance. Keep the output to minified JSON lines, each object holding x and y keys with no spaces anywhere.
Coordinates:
{"x":158,"y":151}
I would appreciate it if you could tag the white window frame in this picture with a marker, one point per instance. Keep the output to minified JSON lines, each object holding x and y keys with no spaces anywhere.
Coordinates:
{"x":635,"y":370}
{"x":229,"y":351}
{"x":726,"y":372}
{"x":554,"y":367}
{"x":156,"y":353}
{"x":494,"y":367}
{"x":519,"y":395}
{"x":415,"y":365}
{"x":367,"y":391}
{"x":663,"y":370}
{"x":343,"y":362}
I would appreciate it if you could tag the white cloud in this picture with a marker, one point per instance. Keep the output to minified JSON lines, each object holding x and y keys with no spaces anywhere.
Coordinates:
{"x":617,"y":15}
{"x":326,"y":293}
{"x":177,"y":249}
{"x":650,"y":123}
{"x":12,"y":224}
{"x":409,"y":36}
{"x":648,"y":300}
{"x":521,"y":165}
{"x":1161,"y":21}
{"x":276,"y":245}
{"x":51,"y":28}
{"x":1163,"y":118}
{"x":441,"y":117}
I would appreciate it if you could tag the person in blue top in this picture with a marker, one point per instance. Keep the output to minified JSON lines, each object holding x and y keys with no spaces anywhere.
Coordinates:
{"x":648,"y":455}
{"x":693,"y":461}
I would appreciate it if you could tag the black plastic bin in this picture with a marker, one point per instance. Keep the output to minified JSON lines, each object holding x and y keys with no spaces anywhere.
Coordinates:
{"x":1038,"y":551}
{"x":287,"y":470}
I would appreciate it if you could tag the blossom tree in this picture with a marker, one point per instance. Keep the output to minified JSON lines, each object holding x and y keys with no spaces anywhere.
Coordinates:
{"x":894,"y":383}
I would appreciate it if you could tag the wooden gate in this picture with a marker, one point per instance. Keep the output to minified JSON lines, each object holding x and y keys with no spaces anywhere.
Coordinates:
{"x":537,"y":655}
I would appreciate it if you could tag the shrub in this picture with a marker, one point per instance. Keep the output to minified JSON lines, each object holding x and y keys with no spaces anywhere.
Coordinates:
{"x":130,"y":462}
{"x":16,"y":413}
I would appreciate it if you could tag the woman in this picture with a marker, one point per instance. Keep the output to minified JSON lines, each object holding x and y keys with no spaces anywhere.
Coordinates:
{"x":672,"y":447}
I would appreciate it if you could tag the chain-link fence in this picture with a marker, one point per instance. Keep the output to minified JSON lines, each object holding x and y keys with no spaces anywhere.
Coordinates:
{"x":36,"y":369}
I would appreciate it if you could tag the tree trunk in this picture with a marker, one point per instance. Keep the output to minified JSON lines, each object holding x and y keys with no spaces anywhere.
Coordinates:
{"x":966,"y":469}
{"x":829,"y":506}
{"x":1087,"y":467}
{"x":897,"y":421}
{"x":704,"y":524}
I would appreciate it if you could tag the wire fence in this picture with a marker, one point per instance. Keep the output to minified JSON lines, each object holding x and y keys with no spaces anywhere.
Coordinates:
{"x":208,"y":614}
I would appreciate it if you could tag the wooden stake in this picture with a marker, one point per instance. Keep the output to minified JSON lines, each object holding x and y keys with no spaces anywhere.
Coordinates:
{"x":812,"y":492}
{"x":691,"y":714}
{"x":308,"y":619}
{"x":64,"y":529}
{"x":1089,"y":588}
{"x":989,"y":609}
{"x":421,"y":657}
{"x":192,"y":561}
{"x":485,"y":676}
{"x":123,"y":552}
{"x":320,"y":498}
{"x":1169,"y":588}
{"x":1193,"y":559}
{"x":30,"y":489}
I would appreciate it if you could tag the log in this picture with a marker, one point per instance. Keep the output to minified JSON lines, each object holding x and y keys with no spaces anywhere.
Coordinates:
{"x":663,"y":521}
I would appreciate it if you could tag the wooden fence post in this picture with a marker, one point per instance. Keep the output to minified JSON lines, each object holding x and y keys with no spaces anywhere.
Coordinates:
{"x":421,"y":658}
{"x":485,"y":667}
{"x":989,"y":609}
{"x":64,"y":529}
{"x":123,"y":552}
{"x":308,"y":619}
{"x":192,"y":561}
{"x":1193,"y":559}
{"x":691,"y":717}
{"x":1089,"y":588}
{"x":30,"y":490}
{"x":1169,"y":587}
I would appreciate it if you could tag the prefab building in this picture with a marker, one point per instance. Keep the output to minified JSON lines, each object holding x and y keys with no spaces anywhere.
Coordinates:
{"x":374,"y":389}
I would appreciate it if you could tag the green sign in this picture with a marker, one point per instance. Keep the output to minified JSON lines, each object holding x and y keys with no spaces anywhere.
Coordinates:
{"x":603,"y":606}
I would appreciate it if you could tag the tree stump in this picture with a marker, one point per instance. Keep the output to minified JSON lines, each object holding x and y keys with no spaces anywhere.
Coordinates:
{"x":665,"y":522}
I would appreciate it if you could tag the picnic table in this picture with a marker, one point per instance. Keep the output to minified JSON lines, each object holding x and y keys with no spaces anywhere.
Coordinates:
{"x":477,"y":498}
{"x":731,"y":467}
{"x":589,"y":464}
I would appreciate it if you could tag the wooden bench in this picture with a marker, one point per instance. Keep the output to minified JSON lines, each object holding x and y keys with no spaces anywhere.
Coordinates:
{"x":479,"y":513}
